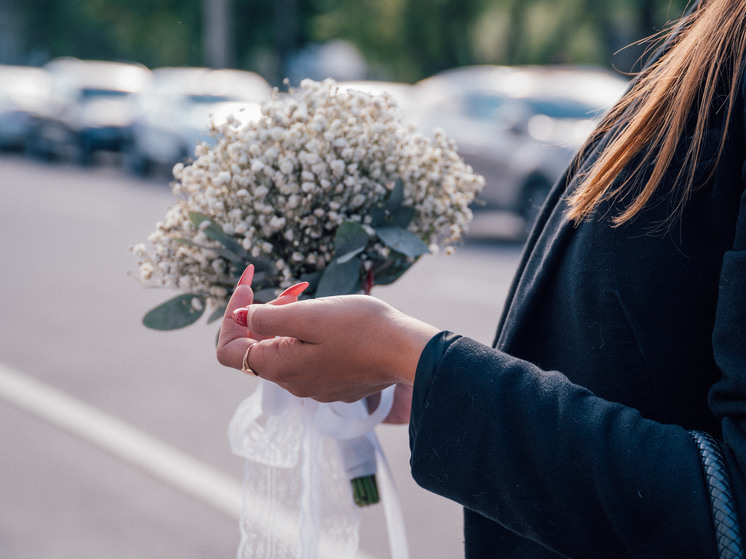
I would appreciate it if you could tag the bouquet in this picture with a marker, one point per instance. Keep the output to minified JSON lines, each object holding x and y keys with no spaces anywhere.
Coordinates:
{"x":327,"y":187}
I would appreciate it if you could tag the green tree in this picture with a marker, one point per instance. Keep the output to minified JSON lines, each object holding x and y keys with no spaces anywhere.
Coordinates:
{"x":153,"y":32}
{"x":403,"y":40}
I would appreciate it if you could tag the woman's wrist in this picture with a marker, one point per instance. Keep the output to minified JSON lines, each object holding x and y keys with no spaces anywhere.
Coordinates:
{"x":416,"y":334}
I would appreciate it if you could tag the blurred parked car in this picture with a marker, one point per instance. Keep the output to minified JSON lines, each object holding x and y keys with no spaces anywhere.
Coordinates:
{"x":23,"y":89}
{"x":175,"y":112}
{"x":403,"y":94}
{"x":89,"y":107}
{"x":517,"y":126}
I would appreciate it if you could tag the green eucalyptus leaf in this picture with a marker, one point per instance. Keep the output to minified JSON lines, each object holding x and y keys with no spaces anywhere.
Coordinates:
{"x":265,"y":295}
{"x":217,"y":314}
{"x":350,"y":255}
{"x":392,"y":272}
{"x":396,"y":198}
{"x":228,"y":242}
{"x":312,"y":279}
{"x":225,"y":253}
{"x":261,"y":264}
{"x":261,"y":281}
{"x":216,"y":233}
{"x":175,"y":313}
{"x":377,"y":215}
{"x":350,"y":237}
{"x":402,"y":217}
{"x":340,"y":279}
{"x":402,"y":241}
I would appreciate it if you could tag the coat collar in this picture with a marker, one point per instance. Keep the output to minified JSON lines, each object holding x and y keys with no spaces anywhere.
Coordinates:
{"x":540,"y":256}
{"x":549,"y":237}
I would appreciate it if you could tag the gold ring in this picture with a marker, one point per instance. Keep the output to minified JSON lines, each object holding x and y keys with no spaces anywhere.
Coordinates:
{"x":245,"y":364}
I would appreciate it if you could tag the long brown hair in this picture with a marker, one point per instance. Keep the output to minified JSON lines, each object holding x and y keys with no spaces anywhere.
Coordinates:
{"x":705,"y":46}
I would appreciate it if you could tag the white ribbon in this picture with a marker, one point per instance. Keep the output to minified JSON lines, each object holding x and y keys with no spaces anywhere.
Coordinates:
{"x":297,"y":495}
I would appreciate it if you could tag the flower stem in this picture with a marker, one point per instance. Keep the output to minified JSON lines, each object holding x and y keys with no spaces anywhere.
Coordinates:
{"x":365,"y":491}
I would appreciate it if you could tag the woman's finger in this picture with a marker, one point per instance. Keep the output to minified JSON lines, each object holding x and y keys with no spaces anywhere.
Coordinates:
{"x":313,"y":320}
{"x":231,"y":352}
{"x":290,"y":295}
{"x":242,"y":297}
{"x":278,"y":359}
{"x":298,"y":367}
{"x":234,"y":339}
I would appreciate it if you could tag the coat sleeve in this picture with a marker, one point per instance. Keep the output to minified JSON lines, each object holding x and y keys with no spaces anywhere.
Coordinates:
{"x":548,"y":460}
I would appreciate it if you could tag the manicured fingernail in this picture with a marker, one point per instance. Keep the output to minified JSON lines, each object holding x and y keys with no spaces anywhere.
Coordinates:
{"x":240,"y":317}
{"x":247,"y":276}
{"x":295,"y":290}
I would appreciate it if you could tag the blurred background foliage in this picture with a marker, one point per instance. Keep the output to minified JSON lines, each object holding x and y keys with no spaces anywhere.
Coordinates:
{"x":402,"y":40}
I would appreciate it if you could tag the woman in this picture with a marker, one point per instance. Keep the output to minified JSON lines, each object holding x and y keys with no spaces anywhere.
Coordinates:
{"x":624,"y":330}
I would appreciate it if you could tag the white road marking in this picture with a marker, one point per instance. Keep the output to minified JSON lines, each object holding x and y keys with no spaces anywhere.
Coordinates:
{"x":122,"y":440}
{"x":132,"y":445}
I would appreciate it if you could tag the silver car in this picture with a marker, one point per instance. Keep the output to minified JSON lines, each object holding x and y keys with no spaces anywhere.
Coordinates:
{"x":404,"y":94}
{"x":23,"y":91}
{"x":517,"y":126}
{"x":175,"y":112}
{"x":89,"y":108}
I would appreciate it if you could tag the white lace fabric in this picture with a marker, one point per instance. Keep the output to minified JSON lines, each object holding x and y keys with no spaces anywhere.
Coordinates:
{"x":300,"y":458}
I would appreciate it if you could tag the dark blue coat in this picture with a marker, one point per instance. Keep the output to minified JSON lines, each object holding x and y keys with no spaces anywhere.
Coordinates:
{"x":570,"y":438}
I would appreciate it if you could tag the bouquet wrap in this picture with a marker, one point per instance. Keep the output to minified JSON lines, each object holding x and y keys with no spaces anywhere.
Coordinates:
{"x":295,"y":471}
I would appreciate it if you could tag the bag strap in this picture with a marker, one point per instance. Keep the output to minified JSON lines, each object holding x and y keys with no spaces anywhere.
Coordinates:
{"x":725,"y":519}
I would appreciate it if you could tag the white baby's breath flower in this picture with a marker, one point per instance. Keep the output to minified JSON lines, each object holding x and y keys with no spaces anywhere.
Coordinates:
{"x":146,"y":271}
{"x":139,"y":250}
{"x":358,"y":200}
{"x":287,"y":167}
{"x":338,"y":167}
{"x":277,"y":223}
{"x":282,"y":185}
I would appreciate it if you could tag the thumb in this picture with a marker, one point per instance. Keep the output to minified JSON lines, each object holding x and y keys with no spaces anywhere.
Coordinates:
{"x":294,"y":320}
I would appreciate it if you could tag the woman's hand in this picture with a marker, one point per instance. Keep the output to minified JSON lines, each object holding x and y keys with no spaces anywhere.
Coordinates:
{"x":331,"y":349}
{"x":401,"y":409}
{"x":236,"y":338}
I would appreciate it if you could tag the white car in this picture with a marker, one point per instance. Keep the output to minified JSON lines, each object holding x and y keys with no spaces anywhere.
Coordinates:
{"x":175,"y":112}
{"x":403,"y":94}
{"x":23,"y":91}
{"x":517,"y":126}
{"x":88,"y":109}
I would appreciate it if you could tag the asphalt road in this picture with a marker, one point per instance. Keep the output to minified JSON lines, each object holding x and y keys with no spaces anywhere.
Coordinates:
{"x":108,"y":428}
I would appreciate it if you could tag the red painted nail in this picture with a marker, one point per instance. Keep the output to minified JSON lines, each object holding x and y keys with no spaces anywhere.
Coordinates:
{"x":369,"y":282}
{"x":295,"y":290}
{"x":240,"y":317}
{"x":247,"y":276}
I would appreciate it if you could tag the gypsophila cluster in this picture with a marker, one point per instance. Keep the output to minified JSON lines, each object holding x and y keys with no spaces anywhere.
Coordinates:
{"x":282,"y":185}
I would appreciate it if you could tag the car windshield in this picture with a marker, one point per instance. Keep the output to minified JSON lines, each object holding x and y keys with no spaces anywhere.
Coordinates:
{"x":560,"y":108}
{"x":209,"y":98}
{"x":91,"y":93}
{"x":484,"y":106}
